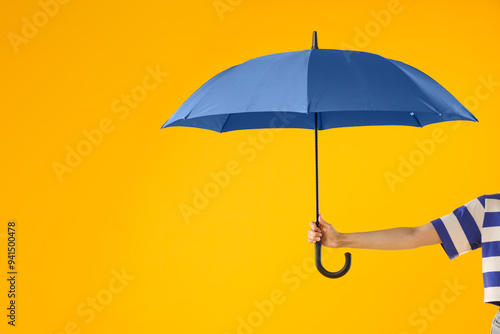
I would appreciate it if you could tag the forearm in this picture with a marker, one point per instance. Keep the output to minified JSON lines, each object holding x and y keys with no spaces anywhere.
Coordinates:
{"x":391,"y":239}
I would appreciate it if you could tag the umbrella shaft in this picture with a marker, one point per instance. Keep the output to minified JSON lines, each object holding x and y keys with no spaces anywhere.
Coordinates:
{"x":316,"y":159}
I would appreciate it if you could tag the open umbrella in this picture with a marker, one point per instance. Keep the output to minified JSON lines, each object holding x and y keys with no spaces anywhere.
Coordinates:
{"x":318,"y":89}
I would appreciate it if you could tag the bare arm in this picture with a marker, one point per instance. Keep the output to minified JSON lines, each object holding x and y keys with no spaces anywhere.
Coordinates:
{"x":390,"y":239}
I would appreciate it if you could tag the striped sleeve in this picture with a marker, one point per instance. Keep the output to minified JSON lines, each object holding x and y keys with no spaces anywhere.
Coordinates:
{"x":460,"y":231}
{"x":491,"y":250}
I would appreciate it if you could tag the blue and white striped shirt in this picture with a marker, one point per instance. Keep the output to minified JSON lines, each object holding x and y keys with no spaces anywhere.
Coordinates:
{"x":475,"y":225}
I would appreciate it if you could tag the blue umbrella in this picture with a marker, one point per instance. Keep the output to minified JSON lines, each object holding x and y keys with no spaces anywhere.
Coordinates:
{"x":318,"y":89}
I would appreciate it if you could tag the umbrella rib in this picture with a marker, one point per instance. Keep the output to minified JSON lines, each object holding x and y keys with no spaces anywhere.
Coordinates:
{"x":414,"y":116}
{"x":223,"y":125}
{"x":252,"y":99}
{"x":219,"y":77}
{"x":414,"y":83}
{"x":307,"y":82}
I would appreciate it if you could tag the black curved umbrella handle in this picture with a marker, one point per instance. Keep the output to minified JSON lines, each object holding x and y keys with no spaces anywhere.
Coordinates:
{"x":327,"y":273}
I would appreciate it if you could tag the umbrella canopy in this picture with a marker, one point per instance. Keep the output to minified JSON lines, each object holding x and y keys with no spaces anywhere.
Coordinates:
{"x":346,"y":88}
{"x":318,"y":89}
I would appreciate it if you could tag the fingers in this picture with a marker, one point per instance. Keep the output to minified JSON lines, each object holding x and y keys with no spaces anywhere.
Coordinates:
{"x":313,"y":240}
{"x":314,"y":227}
{"x":314,"y":235}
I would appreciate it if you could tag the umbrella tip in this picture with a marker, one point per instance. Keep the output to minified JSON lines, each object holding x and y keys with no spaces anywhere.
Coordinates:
{"x":315,"y":40}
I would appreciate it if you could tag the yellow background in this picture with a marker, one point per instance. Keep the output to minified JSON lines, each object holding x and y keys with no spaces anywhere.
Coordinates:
{"x":119,"y":208}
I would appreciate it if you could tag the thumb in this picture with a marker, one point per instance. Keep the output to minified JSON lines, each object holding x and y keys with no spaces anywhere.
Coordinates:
{"x":321,"y":221}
